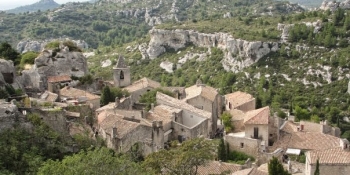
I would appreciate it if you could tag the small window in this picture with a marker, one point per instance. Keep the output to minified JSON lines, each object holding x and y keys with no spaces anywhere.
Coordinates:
{"x":242,"y":145}
{"x":121,"y":75}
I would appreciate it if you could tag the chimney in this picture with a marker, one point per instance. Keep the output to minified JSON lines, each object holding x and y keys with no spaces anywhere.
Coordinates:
{"x":152,"y":107}
{"x":114,"y":132}
{"x":117,"y":102}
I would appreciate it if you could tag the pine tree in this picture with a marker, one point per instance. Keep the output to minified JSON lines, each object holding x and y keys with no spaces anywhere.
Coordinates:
{"x":222,"y":151}
{"x":317,"y":171}
{"x":106,"y":96}
{"x":275,"y":167}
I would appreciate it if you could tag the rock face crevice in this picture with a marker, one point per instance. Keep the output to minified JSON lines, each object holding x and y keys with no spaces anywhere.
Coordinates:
{"x":238,"y":53}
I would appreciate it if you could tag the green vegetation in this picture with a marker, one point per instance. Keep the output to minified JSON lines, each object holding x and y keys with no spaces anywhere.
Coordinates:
{"x":150,"y":97}
{"x":99,"y":161}
{"x":227,"y":121}
{"x":275,"y":167}
{"x":28,"y":58}
{"x":238,"y":157}
{"x":8,"y":53}
{"x":109,"y":94}
{"x":184,"y":159}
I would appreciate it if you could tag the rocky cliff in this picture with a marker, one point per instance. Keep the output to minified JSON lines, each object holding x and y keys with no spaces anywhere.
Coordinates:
{"x":334,"y":5}
{"x":238,"y":53}
{"x":52,"y":63}
{"x":38,"y":45}
{"x":8,"y":74}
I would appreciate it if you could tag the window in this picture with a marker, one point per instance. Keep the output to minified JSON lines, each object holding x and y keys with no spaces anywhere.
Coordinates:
{"x":242,"y":145}
{"x":121,"y":75}
{"x":256,"y":132}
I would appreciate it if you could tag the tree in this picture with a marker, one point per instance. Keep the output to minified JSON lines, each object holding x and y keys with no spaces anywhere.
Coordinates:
{"x":150,"y":97}
{"x":317,"y":170}
{"x":7,"y":52}
{"x":98,"y":161}
{"x":184,"y":159}
{"x":226,"y":120}
{"x":222,"y":153}
{"x":275,"y":167}
{"x":106,"y":96}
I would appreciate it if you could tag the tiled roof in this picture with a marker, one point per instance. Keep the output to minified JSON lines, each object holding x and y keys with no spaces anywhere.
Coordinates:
{"x":289,"y":127}
{"x":123,"y":126}
{"x":215,"y":167}
{"x":258,"y":116}
{"x":49,"y":96}
{"x":330,"y":156}
{"x":121,"y":62}
{"x":76,"y":93}
{"x":307,"y":141}
{"x":103,"y":115}
{"x":106,"y":107}
{"x":181,"y":105}
{"x":237,"y":114}
{"x":238,"y":98}
{"x":250,"y":171}
{"x":201,"y":90}
{"x":141,"y":84}
{"x":163,"y":113}
{"x":59,"y":78}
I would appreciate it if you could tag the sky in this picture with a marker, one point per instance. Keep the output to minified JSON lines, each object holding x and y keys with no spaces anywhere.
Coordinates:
{"x":10,"y":4}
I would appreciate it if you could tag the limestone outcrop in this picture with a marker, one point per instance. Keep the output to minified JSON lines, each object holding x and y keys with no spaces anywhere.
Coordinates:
{"x":53,"y":63}
{"x":8,"y":74}
{"x":38,"y":45}
{"x":334,"y":5}
{"x":239,"y":53}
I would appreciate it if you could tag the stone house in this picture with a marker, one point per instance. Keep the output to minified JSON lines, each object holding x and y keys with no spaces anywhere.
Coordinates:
{"x":255,"y":137}
{"x":321,"y":127}
{"x":331,"y":161}
{"x":239,"y":100}
{"x":208,"y":99}
{"x":55,"y":82}
{"x":77,"y":96}
{"x":122,"y":133}
{"x":189,"y":121}
{"x":140,"y":87}
{"x":49,"y":96}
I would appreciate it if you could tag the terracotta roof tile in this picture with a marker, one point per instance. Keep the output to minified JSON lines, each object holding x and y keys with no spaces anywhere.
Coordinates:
{"x":250,"y":171}
{"x":123,"y":126}
{"x":59,"y":78}
{"x":141,"y":84}
{"x":307,"y":141}
{"x":330,"y":156}
{"x":238,"y":98}
{"x":215,"y":167}
{"x":237,"y":114}
{"x":76,"y":93}
{"x":181,"y":105}
{"x":258,"y":116}
{"x":201,"y":90}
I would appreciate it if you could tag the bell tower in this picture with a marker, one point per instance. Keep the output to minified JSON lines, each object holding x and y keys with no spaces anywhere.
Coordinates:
{"x":121,"y":73}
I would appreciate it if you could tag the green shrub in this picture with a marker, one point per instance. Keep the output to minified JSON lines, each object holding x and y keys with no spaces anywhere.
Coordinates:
{"x":72,"y":46}
{"x":239,"y":157}
{"x":28,"y":58}
{"x":52,"y":45}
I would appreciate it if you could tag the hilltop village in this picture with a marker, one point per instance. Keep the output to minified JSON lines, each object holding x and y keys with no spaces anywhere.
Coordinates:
{"x":191,"y":112}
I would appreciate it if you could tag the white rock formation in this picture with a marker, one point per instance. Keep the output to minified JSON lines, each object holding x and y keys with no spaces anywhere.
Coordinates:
{"x":37,"y":46}
{"x":334,"y":5}
{"x":167,"y":66}
{"x":51,"y":63}
{"x":238,"y":53}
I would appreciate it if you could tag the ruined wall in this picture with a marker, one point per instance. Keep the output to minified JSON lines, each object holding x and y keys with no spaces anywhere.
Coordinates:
{"x":242,"y":144}
{"x":56,"y":120}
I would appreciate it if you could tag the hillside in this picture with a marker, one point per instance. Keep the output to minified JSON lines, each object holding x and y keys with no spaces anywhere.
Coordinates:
{"x":42,"y":5}
{"x":106,"y":23}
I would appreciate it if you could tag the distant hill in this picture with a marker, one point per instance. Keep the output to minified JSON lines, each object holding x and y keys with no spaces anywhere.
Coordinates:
{"x":42,"y":5}
{"x":308,"y":3}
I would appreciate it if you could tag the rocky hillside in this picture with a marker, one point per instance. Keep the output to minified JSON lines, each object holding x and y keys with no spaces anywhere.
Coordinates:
{"x":109,"y":22}
{"x":42,"y":5}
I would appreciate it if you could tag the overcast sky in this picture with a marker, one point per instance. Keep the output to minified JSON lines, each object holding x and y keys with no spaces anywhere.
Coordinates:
{"x":10,"y":4}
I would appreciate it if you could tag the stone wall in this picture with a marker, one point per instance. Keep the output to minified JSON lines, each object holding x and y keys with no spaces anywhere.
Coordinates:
{"x":199,"y":130}
{"x":248,"y":106}
{"x":243,"y":144}
{"x":56,"y":120}
{"x":263,"y":133}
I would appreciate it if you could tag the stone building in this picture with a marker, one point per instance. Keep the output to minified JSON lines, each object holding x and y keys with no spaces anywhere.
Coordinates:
{"x":255,"y":137}
{"x":76,"y":96}
{"x":239,"y":100}
{"x":331,"y":161}
{"x":140,"y":87}
{"x":121,"y":73}
{"x":55,"y":82}
{"x":188,"y":122}
{"x":208,"y":99}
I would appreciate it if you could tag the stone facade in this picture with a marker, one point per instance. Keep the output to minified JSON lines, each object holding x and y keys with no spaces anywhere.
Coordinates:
{"x":121,"y":73}
{"x":247,"y":145}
